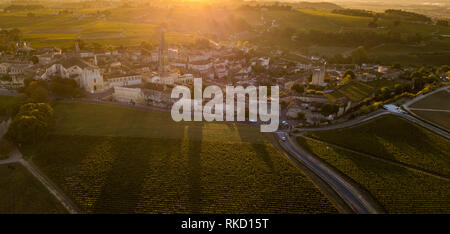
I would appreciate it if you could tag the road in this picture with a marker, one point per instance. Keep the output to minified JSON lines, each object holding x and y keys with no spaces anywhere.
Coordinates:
{"x":351,"y":195}
{"x":376,"y":114}
{"x":356,"y":199}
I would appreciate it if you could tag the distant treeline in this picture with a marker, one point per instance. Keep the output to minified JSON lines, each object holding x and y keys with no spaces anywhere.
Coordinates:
{"x":268,"y":7}
{"x":8,"y":39}
{"x":354,"y":12}
{"x":289,"y":6}
{"x":23,"y":7}
{"x":355,"y":38}
{"x":388,"y":14}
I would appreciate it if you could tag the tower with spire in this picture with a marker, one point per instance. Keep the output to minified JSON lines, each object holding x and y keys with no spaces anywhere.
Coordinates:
{"x":163,"y":62}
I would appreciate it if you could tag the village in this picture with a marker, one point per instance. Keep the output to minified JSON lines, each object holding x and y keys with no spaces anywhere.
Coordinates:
{"x":139,"y":76}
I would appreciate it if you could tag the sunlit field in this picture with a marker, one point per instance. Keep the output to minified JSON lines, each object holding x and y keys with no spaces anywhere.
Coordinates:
{"x":434,"y":108}
{"x":356,"y":91}
{"x":132,"y":25}
{"x":111,"y":159}
{"x":406,"y":167}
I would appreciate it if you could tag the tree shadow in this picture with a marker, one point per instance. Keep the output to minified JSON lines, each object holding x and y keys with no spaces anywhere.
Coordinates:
{"x":123,"y":184}
{"x":195,"y":170}
{"x":259,"y":147}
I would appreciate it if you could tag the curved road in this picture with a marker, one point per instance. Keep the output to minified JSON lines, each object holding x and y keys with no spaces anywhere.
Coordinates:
{"x":375,"y":115}
{"x":354,"y":198}
{"x":346,"y":191}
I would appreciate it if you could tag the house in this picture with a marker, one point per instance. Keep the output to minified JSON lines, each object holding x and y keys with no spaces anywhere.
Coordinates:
{"x":120,"y":80}
{"x":130,"y":95}
{"x":86,"y":75}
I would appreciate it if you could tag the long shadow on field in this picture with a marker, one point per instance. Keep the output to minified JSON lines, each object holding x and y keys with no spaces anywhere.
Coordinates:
{"x":259,"y":147}
{"x":124,"y":182}
{"x":195,"y":170}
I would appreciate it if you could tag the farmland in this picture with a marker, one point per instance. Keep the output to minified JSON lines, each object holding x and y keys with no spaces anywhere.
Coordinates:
{"x":394,"y":139}
{"x":132,"y":25}
{"x":357,"y":91}
{"x":397,"y":189}
{"x":434,"y":108}
{"x":113,"y":159}
{"x":21,"y":193}
{"x":438,"y":100}
{"x":442,"y":119}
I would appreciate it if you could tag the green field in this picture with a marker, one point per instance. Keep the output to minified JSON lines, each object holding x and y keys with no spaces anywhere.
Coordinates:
{"x":394,"y":139}
{"x":131,"y":26}
{"x":397,"y":189}
{"x":434,"y":102}
{"x":112,"y":159}
{"x":49,"y":29}
{"x":21,"y":193}
{"x":439,"y":100}
{"x":356,"y":91}
{"x":442,"y":119}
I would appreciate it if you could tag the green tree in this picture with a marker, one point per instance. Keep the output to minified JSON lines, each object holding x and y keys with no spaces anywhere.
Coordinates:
{"x":31,"y":123}
{"x":298,"y":88}
{"x":34,"y":59}
{"x":301,"y":116}
{"x":359,"y":55}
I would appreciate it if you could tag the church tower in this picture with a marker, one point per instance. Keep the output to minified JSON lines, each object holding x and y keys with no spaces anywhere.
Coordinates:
{"x":163,"y":63}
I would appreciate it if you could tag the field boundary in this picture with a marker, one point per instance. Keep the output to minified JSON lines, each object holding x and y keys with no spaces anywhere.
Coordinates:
{"x":399,"y":164}
{"x":17,"y":157}
{"x":414,"y":100}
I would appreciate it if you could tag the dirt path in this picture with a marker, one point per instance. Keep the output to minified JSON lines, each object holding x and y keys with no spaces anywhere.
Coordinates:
{"x":16,"y":157}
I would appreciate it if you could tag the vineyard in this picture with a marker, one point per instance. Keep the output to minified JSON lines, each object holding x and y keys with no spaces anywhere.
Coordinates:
{"x":394,"y":139}
{"x":434,"y":108}
{"x":21,"y":193}
{"x":111,"y":159}
{"x":397,"y":189}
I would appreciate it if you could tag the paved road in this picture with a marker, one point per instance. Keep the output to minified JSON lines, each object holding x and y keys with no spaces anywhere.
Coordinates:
{"x":376,"y":114}
{"x":351,"y":195}
{"x":435,"y":110}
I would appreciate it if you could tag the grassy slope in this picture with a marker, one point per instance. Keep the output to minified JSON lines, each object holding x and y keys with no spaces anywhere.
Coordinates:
{"x":440,"y":118}
{"x":438,"y":100}
{"x":395,"y":139}
{"x":397,"y":189}
{"x":121,"y":160}
{"x":21,"y":193}
{"x":357,"y":91}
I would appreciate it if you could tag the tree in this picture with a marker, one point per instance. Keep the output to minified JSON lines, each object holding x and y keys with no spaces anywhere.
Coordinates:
{"x":34,"y":59}
{"x":328,"y":109}
{"x":359,"y":55}
{"x":301,"y":116}
{"x":36,"y":92}
{"x":298,"y":88}
{"x":350,"y":73}
{"x":31,"y":123}
{"x":6,"y":77}
{"x":64,"y":87}
{"x":442,"y":23}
